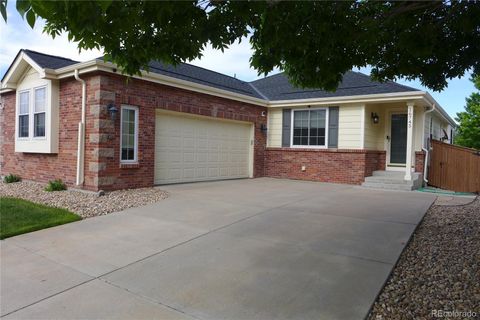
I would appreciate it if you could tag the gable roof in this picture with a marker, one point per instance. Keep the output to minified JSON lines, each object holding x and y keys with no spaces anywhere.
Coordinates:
{"x":278,"y":87}
{"x":189,"y":72}
{"x":49,"y":61}
{"x":271,"y":90}
{"x":275,"y":87}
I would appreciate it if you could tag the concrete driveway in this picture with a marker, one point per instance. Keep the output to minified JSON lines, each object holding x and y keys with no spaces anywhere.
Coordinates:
{"x":243,"y":249}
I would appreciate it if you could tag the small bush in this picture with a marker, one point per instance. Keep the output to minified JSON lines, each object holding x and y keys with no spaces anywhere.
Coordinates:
{"x":56,"y":185}
{"x":12,"y":178}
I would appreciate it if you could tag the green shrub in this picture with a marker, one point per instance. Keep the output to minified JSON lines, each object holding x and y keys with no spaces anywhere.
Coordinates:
{"x":12,"y":178}
{"x":56,"y":185}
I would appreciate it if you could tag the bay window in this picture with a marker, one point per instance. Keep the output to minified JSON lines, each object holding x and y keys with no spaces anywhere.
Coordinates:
{"x":129,"y":134}
{"x":39,"y":113}
{"x":309,"y":128}
{"x":35,"y":109}
{"x":23,"y":114}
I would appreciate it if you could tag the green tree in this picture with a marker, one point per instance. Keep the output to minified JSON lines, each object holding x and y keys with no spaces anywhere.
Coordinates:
{"x":315,"y":43}
{"x":468,"y":132}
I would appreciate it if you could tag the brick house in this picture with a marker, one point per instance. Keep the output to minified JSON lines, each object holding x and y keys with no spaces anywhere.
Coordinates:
{"x":94,"y":128}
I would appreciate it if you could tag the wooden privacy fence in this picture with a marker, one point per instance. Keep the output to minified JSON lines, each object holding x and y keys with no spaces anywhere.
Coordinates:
{"x":454,"y":168}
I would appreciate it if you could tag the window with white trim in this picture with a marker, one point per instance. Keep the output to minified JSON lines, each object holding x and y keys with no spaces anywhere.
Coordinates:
{"x":309,"y":128}
{"x":129,"y":134}
{"x":23,"y":114}
{"x":39,"y":112}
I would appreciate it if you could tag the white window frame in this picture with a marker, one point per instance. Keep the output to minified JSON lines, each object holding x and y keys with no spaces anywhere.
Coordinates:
{"x":292,"y":118}
{"x":135,"y":149}
{"x":24,"y":114}
{"x":34,"y":113}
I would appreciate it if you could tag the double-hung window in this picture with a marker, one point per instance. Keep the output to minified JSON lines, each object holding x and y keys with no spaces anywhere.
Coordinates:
{"x":39,"y":112}
{"x":23,"y":114}
{"x":37,"y":115}
{"x":129,"y":134}
{"x":309,"y":128}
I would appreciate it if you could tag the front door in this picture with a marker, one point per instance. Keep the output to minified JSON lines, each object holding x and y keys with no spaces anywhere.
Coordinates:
{"x":398,"y":144}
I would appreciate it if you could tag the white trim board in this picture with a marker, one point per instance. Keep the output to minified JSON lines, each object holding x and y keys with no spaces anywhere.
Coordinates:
{"x":100,"y":65}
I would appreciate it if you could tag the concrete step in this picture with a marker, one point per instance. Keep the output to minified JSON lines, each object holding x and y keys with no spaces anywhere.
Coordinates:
{"x":390,"y":180}
{"x":388,"y":186}
{"x":388,"y":173}
{"x":393,"y":180}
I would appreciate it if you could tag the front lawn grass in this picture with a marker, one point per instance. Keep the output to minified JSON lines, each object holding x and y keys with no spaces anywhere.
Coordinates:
{"x":19,"y":216}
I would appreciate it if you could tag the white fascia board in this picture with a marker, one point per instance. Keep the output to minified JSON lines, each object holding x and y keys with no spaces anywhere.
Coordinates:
{"x":439,"y":109}
{"x":32,"y":63}
{"x":69,"y":71}
{"x":369,"y":98}
{"x":99,"y":65}
{"x":6,"y":90}
{"x":192,"y":86}
{"x":21,"y":57}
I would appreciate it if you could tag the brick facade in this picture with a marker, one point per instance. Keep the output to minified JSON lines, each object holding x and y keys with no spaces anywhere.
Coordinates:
{"x":102,"y":135}
{"x":148,"y":97}
{"x":45,"y":167}
{"x":419,"y":161}
{"x":325,"y":165}
{"x":102,"y":141}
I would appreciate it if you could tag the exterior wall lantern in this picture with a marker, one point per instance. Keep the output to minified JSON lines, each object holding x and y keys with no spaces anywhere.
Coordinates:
{"x":263,"y":127}
{"x":113,"y":111}
{"x":375,"y":117}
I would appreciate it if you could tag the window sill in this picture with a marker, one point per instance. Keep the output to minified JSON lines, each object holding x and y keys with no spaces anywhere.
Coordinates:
{"x":308,"y":147}
{"x":129,"y":165}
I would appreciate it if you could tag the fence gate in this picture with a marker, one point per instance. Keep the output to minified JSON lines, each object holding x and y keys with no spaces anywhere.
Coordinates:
{"x":454,"y":168}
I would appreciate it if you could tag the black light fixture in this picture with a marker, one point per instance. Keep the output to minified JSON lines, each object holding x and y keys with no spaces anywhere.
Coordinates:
{"x":113,"y":111}
{"x":263,"y":127}
{"x":375,"y":117}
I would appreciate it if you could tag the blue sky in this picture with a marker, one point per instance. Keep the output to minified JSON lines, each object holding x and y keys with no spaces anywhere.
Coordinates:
{"x":17,"y":34}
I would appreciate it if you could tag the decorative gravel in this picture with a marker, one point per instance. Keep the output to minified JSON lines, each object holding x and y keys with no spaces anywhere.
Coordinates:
{"x":85,"y":204}
{"x":438,"y":274}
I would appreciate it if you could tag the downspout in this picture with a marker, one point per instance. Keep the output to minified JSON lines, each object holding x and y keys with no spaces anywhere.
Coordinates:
{"x":81,"y":134}
{"x":427,"y":152}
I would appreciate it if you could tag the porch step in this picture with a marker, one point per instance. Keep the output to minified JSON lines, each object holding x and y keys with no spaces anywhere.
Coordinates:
{"x":387,"y":186}
{"x":392,"y":180}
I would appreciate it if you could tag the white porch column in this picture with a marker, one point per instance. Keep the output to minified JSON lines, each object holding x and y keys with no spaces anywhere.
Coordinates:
{"x":408,"y":164}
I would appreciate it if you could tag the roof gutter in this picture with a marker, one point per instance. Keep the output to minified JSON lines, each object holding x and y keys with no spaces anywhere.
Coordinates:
{"x":100,"y":65}
{"x":81,"y":134}
{"x":382,"y":97}
{"x":440,"y":110}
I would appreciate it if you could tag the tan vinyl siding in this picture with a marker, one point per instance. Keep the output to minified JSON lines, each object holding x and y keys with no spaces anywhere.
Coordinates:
{"x":418,"y":128}
{"x":374,"y":132}
{"x":349,"y":127}
{"x":274,"y":138}
{"x":375,"y":135}
{"x":349,"y":131}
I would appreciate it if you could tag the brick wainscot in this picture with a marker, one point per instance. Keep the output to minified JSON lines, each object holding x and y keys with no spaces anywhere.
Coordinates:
{"x":325,"y":165}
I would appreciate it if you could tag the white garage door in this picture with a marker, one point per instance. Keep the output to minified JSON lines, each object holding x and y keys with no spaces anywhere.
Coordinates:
{"x":191,"y":149}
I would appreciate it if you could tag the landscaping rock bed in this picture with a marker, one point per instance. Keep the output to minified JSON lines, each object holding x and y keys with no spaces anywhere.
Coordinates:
{"x":85,"y":204}
{"x":438,"y":274}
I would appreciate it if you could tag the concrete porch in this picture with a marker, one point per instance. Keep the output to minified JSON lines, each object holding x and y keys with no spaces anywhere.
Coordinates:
{"x":398,"y":128}
{"x":393,"y":180}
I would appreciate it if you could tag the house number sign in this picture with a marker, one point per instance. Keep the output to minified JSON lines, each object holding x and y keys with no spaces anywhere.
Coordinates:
{"x":410,"y":117}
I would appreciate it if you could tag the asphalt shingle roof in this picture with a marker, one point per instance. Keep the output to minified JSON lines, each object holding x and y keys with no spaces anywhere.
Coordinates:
{"x":275,"y":87}
{"x":49,"y":61}
{"x":188,"y":72}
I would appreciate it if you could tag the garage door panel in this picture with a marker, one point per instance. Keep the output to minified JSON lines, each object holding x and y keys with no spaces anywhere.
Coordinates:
{"x":195,"y":149}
